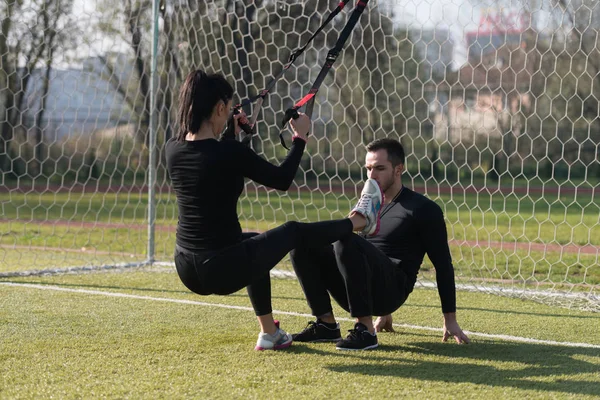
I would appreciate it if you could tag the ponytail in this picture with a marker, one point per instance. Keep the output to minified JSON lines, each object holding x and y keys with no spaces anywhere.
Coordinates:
{"x":198,"y":96}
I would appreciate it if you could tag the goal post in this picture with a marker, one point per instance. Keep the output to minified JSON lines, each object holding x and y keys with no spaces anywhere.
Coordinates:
{"x":496,"y":106}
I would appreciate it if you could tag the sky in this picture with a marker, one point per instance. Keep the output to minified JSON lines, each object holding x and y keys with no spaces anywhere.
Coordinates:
{"x":461,"y":17}
{"x":87,"y":16}
{"x":457,"y":16}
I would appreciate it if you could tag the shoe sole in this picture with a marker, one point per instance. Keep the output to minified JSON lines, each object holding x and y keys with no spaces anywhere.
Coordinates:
{"x":373,"y":346}
{"x":319,"y":340}
{"x":378,"y":223}
{"x":278,"y":347}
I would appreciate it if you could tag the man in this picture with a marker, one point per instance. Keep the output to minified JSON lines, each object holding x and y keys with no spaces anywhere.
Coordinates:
{"x":373,"y":275}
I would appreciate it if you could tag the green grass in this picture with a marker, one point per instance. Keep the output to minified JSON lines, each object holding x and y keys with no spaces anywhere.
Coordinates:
{"x":77,"y":345}
{"x":561,"y":219}
{"x":121,"y":234}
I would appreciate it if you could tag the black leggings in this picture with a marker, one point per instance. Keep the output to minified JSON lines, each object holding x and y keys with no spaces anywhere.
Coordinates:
{"x":359,"y":276}
{"x":247,"y":264}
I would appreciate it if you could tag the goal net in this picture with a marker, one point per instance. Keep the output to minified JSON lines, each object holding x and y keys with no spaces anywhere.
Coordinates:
{"x":496,"y":103}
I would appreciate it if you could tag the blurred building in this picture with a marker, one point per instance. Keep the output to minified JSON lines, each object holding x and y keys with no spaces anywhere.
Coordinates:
{"x":79,"y":100}
{"x":479,"y":98}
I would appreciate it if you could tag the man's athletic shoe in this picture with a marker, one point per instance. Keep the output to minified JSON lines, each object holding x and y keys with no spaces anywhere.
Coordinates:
{"x":369,"y":206}
{"x":277,"y":341}
{"x":358,"y":338}
{"x":317,"y":331}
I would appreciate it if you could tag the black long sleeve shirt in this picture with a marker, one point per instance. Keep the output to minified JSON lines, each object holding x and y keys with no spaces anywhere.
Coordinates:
{"x":208,"y":179}
{"x":412,"y":226}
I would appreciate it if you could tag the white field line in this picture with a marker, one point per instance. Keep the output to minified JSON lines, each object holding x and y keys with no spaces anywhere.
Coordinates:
{"x":83,"y":269}
{"x":295,"y":314}
{"x":591,"y":298}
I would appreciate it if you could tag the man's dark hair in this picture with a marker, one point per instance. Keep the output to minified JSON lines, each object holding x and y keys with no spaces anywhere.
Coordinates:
{"x":199,"y":94}
{"x":394,"y":149}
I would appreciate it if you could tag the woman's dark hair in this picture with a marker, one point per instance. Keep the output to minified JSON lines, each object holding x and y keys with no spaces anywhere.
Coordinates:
{"x":199,"y":94}
{"x":393,"y":147}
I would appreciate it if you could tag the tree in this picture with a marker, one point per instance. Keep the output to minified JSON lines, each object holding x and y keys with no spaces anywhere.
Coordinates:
{"x":24,"y":44}
{"x":135,"y":89}
{"x":583,"y":18}
{"x":561,"y":120}
{"x":53,"y":36}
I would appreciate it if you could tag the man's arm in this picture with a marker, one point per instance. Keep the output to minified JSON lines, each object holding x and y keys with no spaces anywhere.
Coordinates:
{"x":434,"y":235}
{"x":451,"y":328}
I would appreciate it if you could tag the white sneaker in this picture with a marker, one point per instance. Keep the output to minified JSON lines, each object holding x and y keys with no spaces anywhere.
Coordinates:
{"x":369,"y":206}
{"x":277,"y":341}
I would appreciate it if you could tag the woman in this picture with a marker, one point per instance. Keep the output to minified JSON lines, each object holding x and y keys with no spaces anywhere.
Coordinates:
{"x":212,"y":254}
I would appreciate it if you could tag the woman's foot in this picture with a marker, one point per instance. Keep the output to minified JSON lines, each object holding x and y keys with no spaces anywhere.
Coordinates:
{"x":277,"y":341}
{"x":369,"y":206}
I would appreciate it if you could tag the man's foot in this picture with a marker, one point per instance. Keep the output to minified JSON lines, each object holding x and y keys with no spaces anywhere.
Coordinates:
{"x":318,"y":331}
{"x":369,"y":206}
{"x":277,"y":341}
{"x":358,"y":338}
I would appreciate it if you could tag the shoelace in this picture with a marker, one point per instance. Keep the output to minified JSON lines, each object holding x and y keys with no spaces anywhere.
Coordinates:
{"x":279,"y":337}
{"x":354,"y":334}
{"x":311,"y":327}
{"x":365,"y":202}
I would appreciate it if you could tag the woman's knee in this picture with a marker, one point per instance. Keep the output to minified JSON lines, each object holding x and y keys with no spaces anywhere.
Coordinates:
{"x":291,"y":226}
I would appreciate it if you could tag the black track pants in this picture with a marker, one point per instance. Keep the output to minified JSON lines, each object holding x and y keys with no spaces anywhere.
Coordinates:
{"x":360,"y":278}
{"x":248,"y":263}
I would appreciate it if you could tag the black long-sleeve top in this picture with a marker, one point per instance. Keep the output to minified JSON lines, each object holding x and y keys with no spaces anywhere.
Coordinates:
{"x":208,"y":179}
{"x":412,"y":226}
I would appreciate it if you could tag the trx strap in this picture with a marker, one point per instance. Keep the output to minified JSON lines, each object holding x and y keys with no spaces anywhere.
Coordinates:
{"x":332,"y":56}
{"x":250,"y":127}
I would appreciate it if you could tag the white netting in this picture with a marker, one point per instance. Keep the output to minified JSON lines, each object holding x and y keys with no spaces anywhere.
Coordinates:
{"x":496,"y":103}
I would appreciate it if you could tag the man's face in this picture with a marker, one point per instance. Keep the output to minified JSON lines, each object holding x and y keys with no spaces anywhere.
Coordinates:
{"x":380,"y":168}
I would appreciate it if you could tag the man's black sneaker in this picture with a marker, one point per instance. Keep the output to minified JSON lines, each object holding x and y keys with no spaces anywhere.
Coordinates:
{"x":358,"y":338}
{"x":317,"y":331}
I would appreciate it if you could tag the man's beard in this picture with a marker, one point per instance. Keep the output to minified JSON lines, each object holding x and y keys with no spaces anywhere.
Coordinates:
{"x":385,"y":186}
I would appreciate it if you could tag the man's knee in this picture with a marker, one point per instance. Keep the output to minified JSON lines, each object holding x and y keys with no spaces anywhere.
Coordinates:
{"x":294,"y":255}
{"x":303,"y":255}
{"x":347,"y":242}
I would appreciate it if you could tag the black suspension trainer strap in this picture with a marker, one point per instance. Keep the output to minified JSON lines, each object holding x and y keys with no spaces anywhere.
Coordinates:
{"x":250,"y":126}
{"x":332,"y":56}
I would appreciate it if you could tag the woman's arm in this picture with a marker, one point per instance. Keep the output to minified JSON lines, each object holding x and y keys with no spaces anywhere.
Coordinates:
{"x":278,"y":176}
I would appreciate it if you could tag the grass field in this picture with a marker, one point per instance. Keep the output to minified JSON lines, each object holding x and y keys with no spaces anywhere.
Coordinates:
{"x":140,"y":334}
{"x":101,"y":228}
